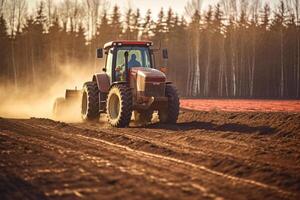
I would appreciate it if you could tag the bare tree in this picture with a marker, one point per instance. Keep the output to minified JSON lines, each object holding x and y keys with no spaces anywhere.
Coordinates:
{"x":21,"y":14}
{"x":294,"y":7}
{"x":191,"y":8}
{"x":11,"y":15}
{"x":2,"y":5}
{"x":65,"y":12}
{"x":11,"y":8}
{"x":208,"y":19}
{"x":254,"y":9}
{"x":95,"y":9}
{"x":15,"y":14}
{"x":50,"y":11}
{"x":280,"y":15}
{"x":230,"y":13}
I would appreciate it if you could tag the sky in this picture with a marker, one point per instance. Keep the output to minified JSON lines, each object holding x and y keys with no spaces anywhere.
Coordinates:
{"x":144,"y":5}
{"x":154,"y":5}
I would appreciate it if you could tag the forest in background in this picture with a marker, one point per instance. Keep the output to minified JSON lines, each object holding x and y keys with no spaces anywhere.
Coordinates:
{"x":235,"y":49}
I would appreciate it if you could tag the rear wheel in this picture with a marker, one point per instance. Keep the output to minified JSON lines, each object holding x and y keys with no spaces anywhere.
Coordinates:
{"x":90,"y":102}
{"x":170,"y":113}
{"x":119,"y":106}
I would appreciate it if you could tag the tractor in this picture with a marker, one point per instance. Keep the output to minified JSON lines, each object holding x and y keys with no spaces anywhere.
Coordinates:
{"x":129,"y":85}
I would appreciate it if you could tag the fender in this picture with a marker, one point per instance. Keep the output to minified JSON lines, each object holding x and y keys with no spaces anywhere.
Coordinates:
{"x":118,"y":83}
{"x":102,"y":81}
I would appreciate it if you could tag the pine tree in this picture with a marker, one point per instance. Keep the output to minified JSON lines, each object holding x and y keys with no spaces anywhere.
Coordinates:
{"x":54,"y":43}
{"x":291,"y":56}
{"x":160,"y":28}
{"x":29,"y":38}
{"x":219,"y":66}
{"x":265,"y":21}
{"x":116,"y":26}
{"x":103,"y":32}
{"x":208,"y":38}
{"x":103,"y":35}
{"x":128,"y":25}
{"x":136,"y":24}
{"x":263,"y":81}
{"x":278,"y":29}
{"x":80,"y":47}
{"x":40,"y":19}
{"x":147,"y":26}
{"x":171,"y":42}
{"x":182,"y":55}
{"x":39,"y":42}
{"x":159,"y":31}
{"x":170,"y":21}
{"x":242,"y":56}
{"x":194,"y":71}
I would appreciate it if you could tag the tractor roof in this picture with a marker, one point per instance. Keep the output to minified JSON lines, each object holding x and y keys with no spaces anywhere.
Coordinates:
{"x":127,"y":43}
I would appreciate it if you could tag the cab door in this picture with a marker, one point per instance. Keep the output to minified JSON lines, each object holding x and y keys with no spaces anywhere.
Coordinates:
{"x":109,"y":63}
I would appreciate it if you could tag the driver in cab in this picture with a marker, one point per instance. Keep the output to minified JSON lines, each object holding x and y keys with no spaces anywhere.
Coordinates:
{"x":132,"y":63}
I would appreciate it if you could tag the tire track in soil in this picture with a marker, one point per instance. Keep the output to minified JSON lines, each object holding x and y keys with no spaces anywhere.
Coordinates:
{"x":189,"y":148}
{"x":192,"y":152}
{"x":230,"y":149}
{"x":241,"y":181}
{"x":266,"y":168}
{"x":95,"y":160}
{"x":184,"y":187}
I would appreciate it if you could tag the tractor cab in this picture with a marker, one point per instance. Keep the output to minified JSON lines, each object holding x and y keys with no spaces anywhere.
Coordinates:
{"x":123,"y":56}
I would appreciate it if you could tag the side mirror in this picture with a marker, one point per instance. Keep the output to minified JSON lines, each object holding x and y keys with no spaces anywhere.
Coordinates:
{"x":165,"y":53}
{"x":100,"y":53}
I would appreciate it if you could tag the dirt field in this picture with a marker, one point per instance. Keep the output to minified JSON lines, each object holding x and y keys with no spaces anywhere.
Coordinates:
{"x":241,"y":105}
{"x":207,"y":155}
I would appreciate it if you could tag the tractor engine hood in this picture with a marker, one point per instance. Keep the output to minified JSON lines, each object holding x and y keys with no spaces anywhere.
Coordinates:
{"x":149,"y":82}
{"x":148,"y":74}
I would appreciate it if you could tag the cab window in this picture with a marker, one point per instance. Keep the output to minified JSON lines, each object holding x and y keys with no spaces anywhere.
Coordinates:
{"x":138,"y":57}
{"x":109,"y":60}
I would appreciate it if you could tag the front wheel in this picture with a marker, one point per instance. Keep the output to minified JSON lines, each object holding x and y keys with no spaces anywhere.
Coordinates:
{"x":119,"y":106}
{"x":169,"y":114}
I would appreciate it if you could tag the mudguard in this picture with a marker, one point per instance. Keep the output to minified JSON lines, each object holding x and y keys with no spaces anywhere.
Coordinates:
{"x":102,"y":81}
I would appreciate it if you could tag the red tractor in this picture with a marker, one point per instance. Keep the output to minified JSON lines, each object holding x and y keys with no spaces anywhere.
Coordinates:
{"x":129,"y":84}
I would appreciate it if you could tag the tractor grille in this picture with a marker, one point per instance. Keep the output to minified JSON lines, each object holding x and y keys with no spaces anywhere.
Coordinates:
{"x":155,"y":89}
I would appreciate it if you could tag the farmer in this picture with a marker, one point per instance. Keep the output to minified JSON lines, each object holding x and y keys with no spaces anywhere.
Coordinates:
{"x":133,"y":62}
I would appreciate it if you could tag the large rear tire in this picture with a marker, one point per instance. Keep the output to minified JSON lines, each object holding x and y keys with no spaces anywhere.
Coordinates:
{"x":170,"y":114}
{"x":90,"y":102}
{"x":119,"y":106}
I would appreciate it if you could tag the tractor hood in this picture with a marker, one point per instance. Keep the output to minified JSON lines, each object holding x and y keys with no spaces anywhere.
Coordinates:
{"x":148,"y":82}
{"x":148,"y":74}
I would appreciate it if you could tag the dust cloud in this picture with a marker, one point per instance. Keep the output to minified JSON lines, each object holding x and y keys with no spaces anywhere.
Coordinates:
{"x":30,"y":101}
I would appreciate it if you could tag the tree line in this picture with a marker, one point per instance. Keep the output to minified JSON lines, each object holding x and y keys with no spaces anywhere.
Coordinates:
{"x":235,"y":49}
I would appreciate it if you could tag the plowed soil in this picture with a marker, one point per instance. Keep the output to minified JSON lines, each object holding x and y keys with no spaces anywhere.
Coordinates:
{"x":241,"y":105}
{"x":207,"y":155}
